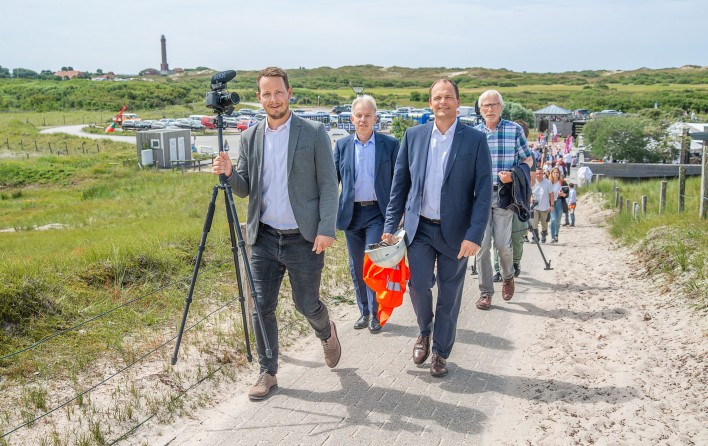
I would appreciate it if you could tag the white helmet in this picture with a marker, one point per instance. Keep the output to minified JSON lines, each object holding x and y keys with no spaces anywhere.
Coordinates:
{"x":388,"y":256}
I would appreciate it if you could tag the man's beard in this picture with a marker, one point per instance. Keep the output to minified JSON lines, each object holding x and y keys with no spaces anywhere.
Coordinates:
{"x":276,"y":115}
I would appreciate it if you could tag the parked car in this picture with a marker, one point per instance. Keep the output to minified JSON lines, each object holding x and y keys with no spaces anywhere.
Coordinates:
{"x":581,"y":113}
{"x":341,"y":108}
{"x":129,"y":124}
{"x":157,"y":125}
{"x":189,"y":124}
{"x":605,"y":113}
{"x":230,"y":122}
{"x":136,"y":125}
{"x":246,"y":122}
{"x":246,"y":112}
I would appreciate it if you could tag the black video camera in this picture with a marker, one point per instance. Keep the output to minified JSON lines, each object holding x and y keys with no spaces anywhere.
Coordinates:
{"x":219,"y":100}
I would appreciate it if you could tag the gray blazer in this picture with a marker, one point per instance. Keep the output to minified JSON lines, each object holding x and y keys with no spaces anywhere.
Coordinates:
{"x":312,"y":178}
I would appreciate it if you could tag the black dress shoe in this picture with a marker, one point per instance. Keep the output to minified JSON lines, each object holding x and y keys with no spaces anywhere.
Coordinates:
{"x":517,"y":270}
{"x":497,"y":277}
{"x":438,"y":366}
{"x":363,"y":322}
{"x":374,"y":324}
{"x":421,"y":349}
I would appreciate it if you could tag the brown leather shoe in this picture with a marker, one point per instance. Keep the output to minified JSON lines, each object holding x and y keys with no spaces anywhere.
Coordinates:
{"x":438,"y":366}
{"x":332,"y":348}
{"x":263,"y":386}
{"x":484,"y":302}
{"x":508,"y":289}
{"x":421,"y":349}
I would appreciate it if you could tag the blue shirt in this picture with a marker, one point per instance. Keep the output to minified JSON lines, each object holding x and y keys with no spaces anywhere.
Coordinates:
{"x":438,"y":154}
{"x":507,"y":146}
{"x":364,"y":169}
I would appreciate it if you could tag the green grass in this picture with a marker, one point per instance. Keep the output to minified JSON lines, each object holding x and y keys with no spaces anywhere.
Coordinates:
{"x":671,"y":245}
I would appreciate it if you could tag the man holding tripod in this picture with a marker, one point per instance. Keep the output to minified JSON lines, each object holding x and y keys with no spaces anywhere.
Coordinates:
{"x":286,"y":168}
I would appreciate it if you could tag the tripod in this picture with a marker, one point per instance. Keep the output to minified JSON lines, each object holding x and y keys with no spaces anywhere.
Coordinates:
{"x":236,"y":239}
{"x":534,"y":234}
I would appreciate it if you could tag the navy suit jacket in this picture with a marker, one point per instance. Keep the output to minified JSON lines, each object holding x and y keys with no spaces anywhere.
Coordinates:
{"x":466,"y":193}
{"x":386,"y":151}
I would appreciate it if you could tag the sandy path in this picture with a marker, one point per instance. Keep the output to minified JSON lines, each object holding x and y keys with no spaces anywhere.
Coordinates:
{"x":607,"y":325}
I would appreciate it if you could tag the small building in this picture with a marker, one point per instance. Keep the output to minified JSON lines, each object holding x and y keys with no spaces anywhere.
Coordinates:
{"x":149,"y":72}
{"x":164,"y":147}
{"x":69,"y":74}
{"x":553,"y":114}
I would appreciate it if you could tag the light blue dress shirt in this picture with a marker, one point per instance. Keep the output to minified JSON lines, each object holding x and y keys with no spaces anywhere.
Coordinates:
{"x":364,"y":169}
{"x":438,"y":154}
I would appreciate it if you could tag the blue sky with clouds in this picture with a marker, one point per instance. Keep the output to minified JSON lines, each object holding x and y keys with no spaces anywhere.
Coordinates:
{"x":537,"y":36}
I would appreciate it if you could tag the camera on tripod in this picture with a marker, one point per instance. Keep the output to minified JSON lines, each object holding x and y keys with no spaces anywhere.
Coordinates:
{"x":219,"y":100}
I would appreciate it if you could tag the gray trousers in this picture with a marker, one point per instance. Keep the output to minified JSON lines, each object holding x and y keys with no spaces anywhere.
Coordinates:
{"x":499,"y":230}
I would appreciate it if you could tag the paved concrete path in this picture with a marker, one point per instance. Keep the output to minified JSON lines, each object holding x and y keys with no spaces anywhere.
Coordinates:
{"x":376,"y":395}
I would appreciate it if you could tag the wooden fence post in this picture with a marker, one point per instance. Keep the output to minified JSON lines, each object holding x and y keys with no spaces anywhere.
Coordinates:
{"x":662,"y":197}
{"x":627,"y":205}
{"x":635,"y":210}
{"x":682,"y":189}
{"x":621,"y":203}
{"x":617,"y":195}
{"x":644,"y":205}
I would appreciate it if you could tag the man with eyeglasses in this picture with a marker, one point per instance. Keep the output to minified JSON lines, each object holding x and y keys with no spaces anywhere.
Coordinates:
{"x":508,"y":148}
{"x":286,"y":168}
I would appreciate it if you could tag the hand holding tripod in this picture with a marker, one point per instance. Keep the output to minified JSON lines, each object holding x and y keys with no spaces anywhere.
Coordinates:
{"x":222,"y":102}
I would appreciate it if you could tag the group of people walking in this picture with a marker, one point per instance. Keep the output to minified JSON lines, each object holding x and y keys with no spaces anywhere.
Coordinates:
{"x":450,"y":186}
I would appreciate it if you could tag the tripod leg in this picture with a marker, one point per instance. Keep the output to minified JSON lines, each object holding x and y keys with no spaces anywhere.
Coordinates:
{"x":538,"y":243}
{"x":247,"y":267}
{"x":234,"y":250}
{"x":202,"y":244}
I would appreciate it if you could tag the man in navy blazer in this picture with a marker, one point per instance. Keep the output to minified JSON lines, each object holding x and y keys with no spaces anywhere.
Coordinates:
{"x":364,"y":162}
{"x":442,"y":183}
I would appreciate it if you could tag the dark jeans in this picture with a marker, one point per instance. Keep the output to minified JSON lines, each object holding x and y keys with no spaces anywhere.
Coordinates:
{"x":271,"y":256}
{"x":366,"y":227}
{"x":427,"y":248}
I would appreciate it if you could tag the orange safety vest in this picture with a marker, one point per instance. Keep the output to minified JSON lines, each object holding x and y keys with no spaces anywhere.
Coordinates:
{"x":389,"y":285}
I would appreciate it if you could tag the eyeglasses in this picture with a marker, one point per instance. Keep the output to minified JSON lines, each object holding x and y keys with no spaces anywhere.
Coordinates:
{"x":488,"y":106}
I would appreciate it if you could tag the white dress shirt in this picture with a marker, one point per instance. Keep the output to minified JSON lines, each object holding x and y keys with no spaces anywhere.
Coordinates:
{"x":364,"y":168}
{"x":276,"y":210}
{"x":438,"y":154}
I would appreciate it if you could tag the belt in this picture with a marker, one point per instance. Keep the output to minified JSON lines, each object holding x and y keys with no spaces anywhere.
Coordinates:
{"x":432,"y":221}
{"x":273,"y":230}
{"x":365,"y":203}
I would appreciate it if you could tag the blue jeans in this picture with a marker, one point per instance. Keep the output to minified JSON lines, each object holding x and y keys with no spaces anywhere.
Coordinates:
{"x":365,"y":228}
{"x":556,"y":216}
{"x":271,"y":256}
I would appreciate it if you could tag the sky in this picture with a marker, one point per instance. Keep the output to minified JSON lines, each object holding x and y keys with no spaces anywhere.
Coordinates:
{"x":535,"y":36}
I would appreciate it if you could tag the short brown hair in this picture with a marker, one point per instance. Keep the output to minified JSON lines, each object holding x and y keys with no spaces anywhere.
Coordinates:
{"x":272,"y":72}
{"x":454,"y":85}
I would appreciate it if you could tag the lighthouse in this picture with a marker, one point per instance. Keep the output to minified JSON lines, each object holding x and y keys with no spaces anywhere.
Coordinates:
{"x":164,"y":68}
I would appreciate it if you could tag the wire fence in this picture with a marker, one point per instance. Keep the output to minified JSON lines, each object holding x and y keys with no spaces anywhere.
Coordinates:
{"x":35,"y":345}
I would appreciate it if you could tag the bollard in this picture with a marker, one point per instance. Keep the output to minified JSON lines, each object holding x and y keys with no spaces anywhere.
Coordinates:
{"x":662,"y":197}
{"x":682,"y":188}
{"x":617,"y":195}
{"x":621,"y":202}
{"x":644,"y":205}
{"x":635,"y":209}
{"x":627,"y":205}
